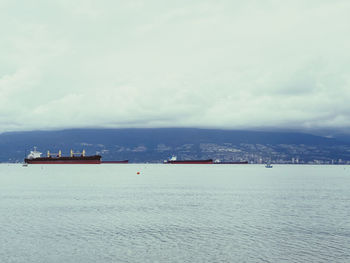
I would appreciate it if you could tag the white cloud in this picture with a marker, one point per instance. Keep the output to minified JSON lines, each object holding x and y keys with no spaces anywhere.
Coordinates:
{"x":226,"y":64}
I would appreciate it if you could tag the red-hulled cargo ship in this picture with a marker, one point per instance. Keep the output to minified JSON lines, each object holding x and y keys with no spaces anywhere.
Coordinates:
{"x":173,"y":160}
{"x":75,"y":158}
{"x":124,"y":161}
{"x":233,"y":162}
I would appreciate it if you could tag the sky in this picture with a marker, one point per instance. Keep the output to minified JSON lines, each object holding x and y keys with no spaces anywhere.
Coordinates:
{"x":225,"y":64}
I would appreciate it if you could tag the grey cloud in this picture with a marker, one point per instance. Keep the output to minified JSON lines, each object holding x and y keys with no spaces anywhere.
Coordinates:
{"x":226,"y":64}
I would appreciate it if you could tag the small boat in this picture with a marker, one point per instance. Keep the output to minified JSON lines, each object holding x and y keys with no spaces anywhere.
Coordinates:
{"x":268,"y":165}
{"x":25,"y":165}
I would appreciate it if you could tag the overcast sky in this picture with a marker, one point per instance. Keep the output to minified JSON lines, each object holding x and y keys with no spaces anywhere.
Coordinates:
{"x":184,"y":63}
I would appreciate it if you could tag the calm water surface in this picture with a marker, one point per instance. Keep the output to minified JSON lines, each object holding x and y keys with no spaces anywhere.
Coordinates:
{"x":174,"y":213}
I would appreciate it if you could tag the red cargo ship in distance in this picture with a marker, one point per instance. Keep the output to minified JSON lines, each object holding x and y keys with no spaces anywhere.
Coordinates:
{"x":124,"y":161}
{"x":173,"y":160}
{"x":34,"y":157}
{"x":233,"y":162}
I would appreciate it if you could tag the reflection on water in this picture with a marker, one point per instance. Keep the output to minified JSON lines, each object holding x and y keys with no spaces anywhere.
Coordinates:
{"x":174,"y":213}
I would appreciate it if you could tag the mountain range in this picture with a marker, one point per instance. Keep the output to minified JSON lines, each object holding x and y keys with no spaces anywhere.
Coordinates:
{"x":158,"y":144}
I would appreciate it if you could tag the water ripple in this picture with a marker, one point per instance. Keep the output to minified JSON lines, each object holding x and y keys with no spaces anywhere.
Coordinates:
{"x":174,"y":215}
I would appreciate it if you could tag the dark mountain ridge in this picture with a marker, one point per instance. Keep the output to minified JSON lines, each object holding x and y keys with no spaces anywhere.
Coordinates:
{"x":157,"y":144}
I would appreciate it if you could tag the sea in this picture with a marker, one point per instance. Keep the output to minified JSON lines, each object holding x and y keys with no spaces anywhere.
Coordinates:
{"x":174,"y":213}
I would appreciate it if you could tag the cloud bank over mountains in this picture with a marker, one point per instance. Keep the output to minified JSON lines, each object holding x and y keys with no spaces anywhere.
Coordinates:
{"x":220,"y":64}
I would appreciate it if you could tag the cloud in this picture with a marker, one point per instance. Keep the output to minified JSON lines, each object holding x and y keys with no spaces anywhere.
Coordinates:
{"x":220,"y":64}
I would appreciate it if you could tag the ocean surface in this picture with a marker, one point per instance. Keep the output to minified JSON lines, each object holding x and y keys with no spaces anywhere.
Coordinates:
{"x":174,"y":213}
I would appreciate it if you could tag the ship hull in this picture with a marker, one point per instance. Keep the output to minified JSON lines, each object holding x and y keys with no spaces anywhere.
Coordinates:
{"x":209,"y":161}
{"x":124,"y":161}
{"x":244,"y":162}
{"x":96,"y":159}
